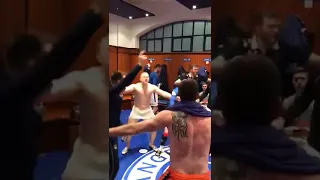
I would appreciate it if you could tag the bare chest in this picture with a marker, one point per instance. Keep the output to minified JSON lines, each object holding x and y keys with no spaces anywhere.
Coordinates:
{"x":144,"y":91}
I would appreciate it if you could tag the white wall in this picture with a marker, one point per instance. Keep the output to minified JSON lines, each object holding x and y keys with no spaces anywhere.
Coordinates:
{"x":166,"y":12}
{"x":120,"y":32}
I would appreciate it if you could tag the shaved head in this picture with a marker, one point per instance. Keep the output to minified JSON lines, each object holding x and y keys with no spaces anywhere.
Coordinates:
{"x":144,"y":78}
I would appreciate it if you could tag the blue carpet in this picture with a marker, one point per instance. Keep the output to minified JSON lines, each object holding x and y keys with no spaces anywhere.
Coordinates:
{"x":134,"y":164}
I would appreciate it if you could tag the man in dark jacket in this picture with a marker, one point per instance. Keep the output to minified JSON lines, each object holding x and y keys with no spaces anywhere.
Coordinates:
{"x":30,"y":73}
{"x":118,"y":85}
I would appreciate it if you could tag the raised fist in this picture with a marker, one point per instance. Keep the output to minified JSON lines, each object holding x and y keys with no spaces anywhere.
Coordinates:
{"x":142,"y":59}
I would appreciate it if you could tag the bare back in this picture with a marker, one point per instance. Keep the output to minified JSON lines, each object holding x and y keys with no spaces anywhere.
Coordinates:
{"x":142,"y":95}
{"x":94,"y":115}
{"x":190,"y":139}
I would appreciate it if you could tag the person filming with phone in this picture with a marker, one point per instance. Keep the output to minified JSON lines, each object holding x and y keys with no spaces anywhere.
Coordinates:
{"x":299,"y":131}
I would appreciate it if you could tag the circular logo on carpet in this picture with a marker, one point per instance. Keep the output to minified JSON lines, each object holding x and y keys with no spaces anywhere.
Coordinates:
{"x":150,"y":166}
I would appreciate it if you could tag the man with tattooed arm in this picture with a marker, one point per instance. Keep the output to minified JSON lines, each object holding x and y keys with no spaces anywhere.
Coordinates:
{"x":189,"y":126}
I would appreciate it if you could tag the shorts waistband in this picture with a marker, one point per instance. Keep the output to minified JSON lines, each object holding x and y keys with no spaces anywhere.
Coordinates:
{"x":170,"y":174}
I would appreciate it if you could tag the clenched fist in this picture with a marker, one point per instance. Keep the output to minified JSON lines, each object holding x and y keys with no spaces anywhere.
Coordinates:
{"x":142,"y":59}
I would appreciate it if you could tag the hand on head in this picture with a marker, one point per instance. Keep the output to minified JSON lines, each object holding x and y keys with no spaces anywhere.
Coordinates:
{"x":142,"y":59}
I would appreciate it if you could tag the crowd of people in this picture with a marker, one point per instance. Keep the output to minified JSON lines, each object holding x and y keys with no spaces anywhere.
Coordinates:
{"x":264,"y":128}
{"x":247,"y":115}
{"x":186,"y":122}
{"x":261,"y":127}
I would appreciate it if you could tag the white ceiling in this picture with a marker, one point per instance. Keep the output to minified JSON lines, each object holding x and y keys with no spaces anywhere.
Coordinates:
{"x":164,"y":7}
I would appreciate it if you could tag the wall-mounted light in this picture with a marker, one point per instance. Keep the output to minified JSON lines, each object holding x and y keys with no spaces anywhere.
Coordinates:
{"x":194,"y":7}
{"x":151,"y":60}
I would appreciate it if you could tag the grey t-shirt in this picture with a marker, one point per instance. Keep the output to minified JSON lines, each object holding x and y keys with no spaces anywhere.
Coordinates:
{"x":305,"y":117}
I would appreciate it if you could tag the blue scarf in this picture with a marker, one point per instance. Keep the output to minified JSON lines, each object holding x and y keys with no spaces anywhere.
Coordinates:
{"x":191,"y":108}
{"x":262,"y":147}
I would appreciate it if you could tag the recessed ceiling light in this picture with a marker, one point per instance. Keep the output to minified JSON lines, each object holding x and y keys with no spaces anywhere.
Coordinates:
{"x":147,"y":15}
{"x":194,"y":7}
{"x":130,"y":17}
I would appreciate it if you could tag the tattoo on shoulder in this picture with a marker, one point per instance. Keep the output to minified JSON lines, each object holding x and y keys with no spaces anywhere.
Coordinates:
{"x":179,"y":125}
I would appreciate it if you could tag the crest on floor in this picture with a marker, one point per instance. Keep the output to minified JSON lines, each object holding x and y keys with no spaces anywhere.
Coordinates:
{"x":150,"y":166}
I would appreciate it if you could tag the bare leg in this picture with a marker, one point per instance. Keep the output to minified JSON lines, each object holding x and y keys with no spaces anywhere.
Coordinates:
{"x":152,"y":138}
{"x":153,"y":134}
{"x":163,"y":141}
{"x":128,"y":138}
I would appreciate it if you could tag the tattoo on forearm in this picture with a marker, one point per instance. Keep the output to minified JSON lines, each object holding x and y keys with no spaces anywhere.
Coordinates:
{"x":179,"y":125}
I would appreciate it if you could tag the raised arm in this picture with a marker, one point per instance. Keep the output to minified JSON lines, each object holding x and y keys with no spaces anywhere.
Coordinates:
{"x":127,"y":80}
{"x":58,"y":60}
{"x":130,"y":89}
{"x":162,"y":93}
{"x":66,"y":86}
{"x":131,"y":75}
{"x":161,"y":120}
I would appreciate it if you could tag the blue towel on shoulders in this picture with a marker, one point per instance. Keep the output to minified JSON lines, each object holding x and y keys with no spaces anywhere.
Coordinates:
{"x":191,"y":108}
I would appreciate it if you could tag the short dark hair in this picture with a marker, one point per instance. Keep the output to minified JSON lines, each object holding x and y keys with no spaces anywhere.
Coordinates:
{"x":188,"y":90}
{"x":250,"y":90}
{"x":116,"y":76}
{"x":21,"y":50}
{"x":157,"y":66}
{"x":299,"y":70}
{"x":203,"y":83}
{"x":258,"y":18}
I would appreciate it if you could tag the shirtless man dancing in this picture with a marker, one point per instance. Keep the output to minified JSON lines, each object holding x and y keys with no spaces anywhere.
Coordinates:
{"x":189,"y":126}
{"x":89,"y":159}
{"x":141,"y":109}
